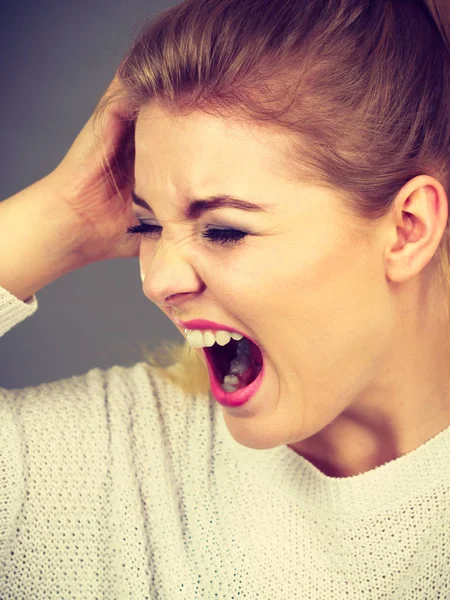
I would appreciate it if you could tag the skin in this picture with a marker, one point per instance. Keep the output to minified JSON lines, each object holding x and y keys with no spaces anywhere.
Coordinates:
{"x":353,"y":327}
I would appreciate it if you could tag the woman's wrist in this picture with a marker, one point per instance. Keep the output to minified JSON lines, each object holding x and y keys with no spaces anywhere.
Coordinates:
{"x":38,"y":240}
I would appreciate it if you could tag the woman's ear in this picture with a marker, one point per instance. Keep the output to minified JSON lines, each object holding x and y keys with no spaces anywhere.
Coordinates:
{"x":417,"y":225}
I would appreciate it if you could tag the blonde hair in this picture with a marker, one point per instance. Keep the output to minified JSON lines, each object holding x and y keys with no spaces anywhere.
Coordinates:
{"x":362,"y":88}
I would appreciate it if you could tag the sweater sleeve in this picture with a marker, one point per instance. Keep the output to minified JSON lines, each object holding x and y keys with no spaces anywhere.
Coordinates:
{"x":13,"y":310}
{"x":31,"y":418}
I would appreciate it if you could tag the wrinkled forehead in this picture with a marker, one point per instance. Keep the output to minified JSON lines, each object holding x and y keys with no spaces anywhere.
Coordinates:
{"x":205,"y":145}
{"x":180,"y":157}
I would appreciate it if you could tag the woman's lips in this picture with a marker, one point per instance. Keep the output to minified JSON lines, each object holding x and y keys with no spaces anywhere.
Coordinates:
{"x":232,"y":399}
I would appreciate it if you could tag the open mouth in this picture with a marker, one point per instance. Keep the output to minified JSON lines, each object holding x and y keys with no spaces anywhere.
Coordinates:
{"x":221,"y":358}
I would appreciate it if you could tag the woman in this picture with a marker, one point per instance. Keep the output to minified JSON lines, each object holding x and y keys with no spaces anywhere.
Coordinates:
{"x":281,"y":169}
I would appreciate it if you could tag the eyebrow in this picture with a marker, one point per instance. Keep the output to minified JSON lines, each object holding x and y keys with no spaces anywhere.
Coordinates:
{"x":198,"y":206}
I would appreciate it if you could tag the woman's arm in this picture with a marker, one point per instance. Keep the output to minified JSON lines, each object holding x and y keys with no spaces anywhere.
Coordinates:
{"x":37,"y":241}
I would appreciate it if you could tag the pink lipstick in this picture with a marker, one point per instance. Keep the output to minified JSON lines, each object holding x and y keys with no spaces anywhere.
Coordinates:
{"x":242,"y":395}
{"x":233,"y":399}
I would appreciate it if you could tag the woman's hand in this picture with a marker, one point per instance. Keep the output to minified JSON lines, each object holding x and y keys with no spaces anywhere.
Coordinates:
{"x":74,"y":216}
{"x":83,"y":185}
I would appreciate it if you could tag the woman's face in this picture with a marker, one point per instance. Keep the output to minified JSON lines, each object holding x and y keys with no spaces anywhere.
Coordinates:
{"x":302,"y":284}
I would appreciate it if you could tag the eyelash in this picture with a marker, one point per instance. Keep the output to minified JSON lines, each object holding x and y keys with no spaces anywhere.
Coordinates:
{"x":216,"y":236}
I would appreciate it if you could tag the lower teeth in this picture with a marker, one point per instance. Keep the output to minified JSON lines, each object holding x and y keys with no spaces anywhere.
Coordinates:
{"x":231,"y":383}
{"x":238,"y":366}
{"x":229,"y":388}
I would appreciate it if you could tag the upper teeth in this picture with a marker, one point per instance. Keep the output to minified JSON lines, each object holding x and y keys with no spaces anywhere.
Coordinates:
{"x":200,"y":339}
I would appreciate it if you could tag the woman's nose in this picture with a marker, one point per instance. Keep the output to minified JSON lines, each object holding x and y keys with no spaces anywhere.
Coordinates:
{"x":169,"y":278}
{"x":142,"y":271}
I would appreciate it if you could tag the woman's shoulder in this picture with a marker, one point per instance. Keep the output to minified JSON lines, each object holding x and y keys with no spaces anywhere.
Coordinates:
{"x":118,"y":394}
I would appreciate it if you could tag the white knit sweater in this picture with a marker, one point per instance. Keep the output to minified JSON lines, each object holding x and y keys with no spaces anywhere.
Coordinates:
{"x":116,"y":485}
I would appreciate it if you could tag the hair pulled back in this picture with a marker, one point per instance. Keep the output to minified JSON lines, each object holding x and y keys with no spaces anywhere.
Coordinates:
{"x":362,"y":88}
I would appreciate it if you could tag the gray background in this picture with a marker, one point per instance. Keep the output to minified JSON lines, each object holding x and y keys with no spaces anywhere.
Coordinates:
{"x":57,"y":59}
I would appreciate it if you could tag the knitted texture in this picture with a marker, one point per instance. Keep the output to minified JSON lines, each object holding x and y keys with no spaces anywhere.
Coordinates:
{"x":116,"y":485}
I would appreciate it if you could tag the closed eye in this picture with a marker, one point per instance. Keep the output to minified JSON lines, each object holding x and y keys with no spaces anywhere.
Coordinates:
{"x":216,"y":236}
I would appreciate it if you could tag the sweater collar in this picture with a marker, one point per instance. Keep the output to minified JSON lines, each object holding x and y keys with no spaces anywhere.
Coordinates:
{"x":415,"y":474}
